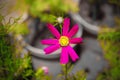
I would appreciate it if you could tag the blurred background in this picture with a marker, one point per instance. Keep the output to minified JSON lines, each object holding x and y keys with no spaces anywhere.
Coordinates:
{"x":23,"y":25}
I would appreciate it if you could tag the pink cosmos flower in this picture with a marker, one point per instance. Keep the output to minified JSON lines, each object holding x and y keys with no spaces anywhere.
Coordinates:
{"x":63,"y":40}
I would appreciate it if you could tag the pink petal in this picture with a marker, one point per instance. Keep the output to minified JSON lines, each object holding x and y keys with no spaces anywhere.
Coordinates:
{"x":66,"y":26}
{"x":73,"y":31}
{"x":76,"y":40}
{"x":49,"y":41}
{"x":72,"y":54}
{"x":53,"y":30}
{"x":51,"y":48}
{"x":64,"y":58}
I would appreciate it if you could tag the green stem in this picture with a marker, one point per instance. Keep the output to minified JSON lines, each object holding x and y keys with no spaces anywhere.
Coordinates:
{"x":60,"y":28}
{"x":66,"y":72}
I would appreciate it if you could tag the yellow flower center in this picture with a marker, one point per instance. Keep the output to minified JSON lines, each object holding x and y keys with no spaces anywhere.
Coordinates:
{"x":63,"y":41}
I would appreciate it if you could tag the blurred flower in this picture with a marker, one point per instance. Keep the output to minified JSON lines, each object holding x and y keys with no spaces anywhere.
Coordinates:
{"x":42,"y":71}
{"x":45,"y":69}
{"x":63,"y":41}
{"x":59,"y":19}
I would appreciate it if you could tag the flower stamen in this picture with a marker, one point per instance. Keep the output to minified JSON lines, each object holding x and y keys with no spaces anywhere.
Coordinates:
{"x":64,"y":41}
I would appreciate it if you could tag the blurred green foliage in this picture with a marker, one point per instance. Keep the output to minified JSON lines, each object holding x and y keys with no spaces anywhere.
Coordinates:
{"x":110,"y":42}
{"x":40,"y":75}
{"x":48,"y":10}
{"x":111,"y":35}
{"x":12,"y":65}
{"x":19,"y":29}
{"x":54,"y":6}
{"x":67,"y":75}
{"x":117,"y":2}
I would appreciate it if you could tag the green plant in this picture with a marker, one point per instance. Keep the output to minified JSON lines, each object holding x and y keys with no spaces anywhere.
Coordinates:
{"x":48,"y":10}
{"x":109,"y":40}
{"x":66,"y":75}
{"x":12,"y":65}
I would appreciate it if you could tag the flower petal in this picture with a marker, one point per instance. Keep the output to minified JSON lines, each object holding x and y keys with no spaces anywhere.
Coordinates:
{"x":64,"y":58}
{"x":51,"y":48}
{"x":53,"y":30}
{"x":73,"y":31}
{"x":72,"y":54}
{"x":76,"y":40}
{"x":66,"y":25}
{"x":49,"y":41}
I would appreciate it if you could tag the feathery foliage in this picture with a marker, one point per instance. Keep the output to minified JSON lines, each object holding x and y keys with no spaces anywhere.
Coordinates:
{"x":110,"y":42}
